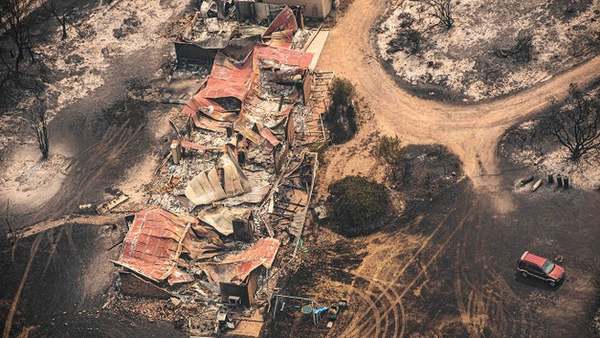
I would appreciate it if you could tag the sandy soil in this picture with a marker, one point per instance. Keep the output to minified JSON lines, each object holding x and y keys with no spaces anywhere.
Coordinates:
{"x":449,"y":263}
{"x":26,"y":182}
{"x":352,"y":158}
{"x":464,"y":60}
{"x":470,"y":131}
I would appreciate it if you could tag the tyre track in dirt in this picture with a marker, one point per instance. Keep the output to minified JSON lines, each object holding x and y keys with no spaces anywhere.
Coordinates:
{"x":481,"y":302}
{"x":391,"y":283}
{"x":90,"y":166}
{"x":364,"y":329}
{"x":398,"y":283}
{"x":397,"y":319}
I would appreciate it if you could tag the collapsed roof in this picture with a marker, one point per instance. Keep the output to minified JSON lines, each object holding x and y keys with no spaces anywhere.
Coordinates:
{"x":206,"y":187}
{"x":157,"y":238}
{"x":231,"y":80}
{"x":236,"y":268}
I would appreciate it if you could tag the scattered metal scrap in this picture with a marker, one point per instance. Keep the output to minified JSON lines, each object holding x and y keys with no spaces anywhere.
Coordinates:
{"x":240,"y":182}
{"x":237,"y":274}
{"x":156,"y":240}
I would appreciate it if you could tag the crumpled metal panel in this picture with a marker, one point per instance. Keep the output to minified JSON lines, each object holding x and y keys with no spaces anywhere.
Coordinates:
{"x":268,"y":135}
{"x":236,"y":268}
{"x":290,"y":57}
{"x":284,"y":22}
{"x":228,"y":79}
{"x":153,"y":243}
{"x":222,"y":218}
{"x":235,"y":181}
{"x":205,"y":188}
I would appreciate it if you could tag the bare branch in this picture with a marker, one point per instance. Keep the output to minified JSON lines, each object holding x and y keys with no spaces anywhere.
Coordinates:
{"x":442,"y":10}
{"x":577,"y":125}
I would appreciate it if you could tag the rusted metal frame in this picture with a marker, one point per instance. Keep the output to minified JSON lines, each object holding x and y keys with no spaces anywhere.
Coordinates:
{"x":270,"y":194}
{"x":323,"y":127}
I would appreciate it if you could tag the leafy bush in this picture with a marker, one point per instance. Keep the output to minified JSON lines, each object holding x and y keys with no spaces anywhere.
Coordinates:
{"x":340,"y":117}
{"x":357,"y":205}
{"x":389,"y":149}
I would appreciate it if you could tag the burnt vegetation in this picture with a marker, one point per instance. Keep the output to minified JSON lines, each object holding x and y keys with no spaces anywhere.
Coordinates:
{"x":420,"y":171}
{"x":407,"y":39}
{"x":340,"y":117}
{"x":12,"y":20}
{"x":442,"y":10}
{"x":39,"y":124}
{"x":389,"y":148}
{"x":60,"y":14}
{"x":357,"y":206}
{"x":576,"y":126}
{"x":520,"y":52}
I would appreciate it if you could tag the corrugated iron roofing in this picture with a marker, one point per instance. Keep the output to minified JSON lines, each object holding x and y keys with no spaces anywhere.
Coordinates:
{"x":236,"y":268}
{"x":228,"y":79}
{"x":155,"y":241}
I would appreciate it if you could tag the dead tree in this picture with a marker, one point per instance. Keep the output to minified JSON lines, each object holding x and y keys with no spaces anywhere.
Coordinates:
{"x":577,"y":126}
{"x":61,"y":15}
{"x":39,"y":123}
{"x":441,"y":9}
{"x":12,"y":18}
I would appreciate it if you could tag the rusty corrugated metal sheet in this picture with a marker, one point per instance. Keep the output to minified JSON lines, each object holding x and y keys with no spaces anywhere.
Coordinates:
{"x":267,"y":134}
{"x":228,"y":79}
{"x":155,"y":241}
{"x":284,"y":22}
{"x":237,"y":267}
{"x":285,"y":56}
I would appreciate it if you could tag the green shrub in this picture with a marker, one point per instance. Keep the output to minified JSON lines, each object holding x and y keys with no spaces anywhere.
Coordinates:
{"x":357,"y":205}
{"x":389,"y":149}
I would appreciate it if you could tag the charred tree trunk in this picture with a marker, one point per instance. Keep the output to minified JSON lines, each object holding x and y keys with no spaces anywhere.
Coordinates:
{"x":39,"y":124}
{"x":41,"y":130}
{"x":59,"y":15}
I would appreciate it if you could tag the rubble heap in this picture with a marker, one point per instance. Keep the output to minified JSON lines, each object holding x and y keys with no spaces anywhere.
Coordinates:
{"x":234,"y":197}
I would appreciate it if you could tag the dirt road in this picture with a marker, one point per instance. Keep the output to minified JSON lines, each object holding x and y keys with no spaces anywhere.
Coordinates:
{"x":471,"y":131}
{"x":448,"y":270}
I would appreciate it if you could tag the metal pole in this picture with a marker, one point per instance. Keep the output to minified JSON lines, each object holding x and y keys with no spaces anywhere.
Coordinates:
{"x":275,"y":307}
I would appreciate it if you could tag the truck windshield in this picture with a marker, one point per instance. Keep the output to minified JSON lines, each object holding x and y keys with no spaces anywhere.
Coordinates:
{"x":548,"y":267}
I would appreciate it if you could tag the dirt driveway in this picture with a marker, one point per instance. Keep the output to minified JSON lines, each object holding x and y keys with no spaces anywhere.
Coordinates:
{"x":448,"y":269}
